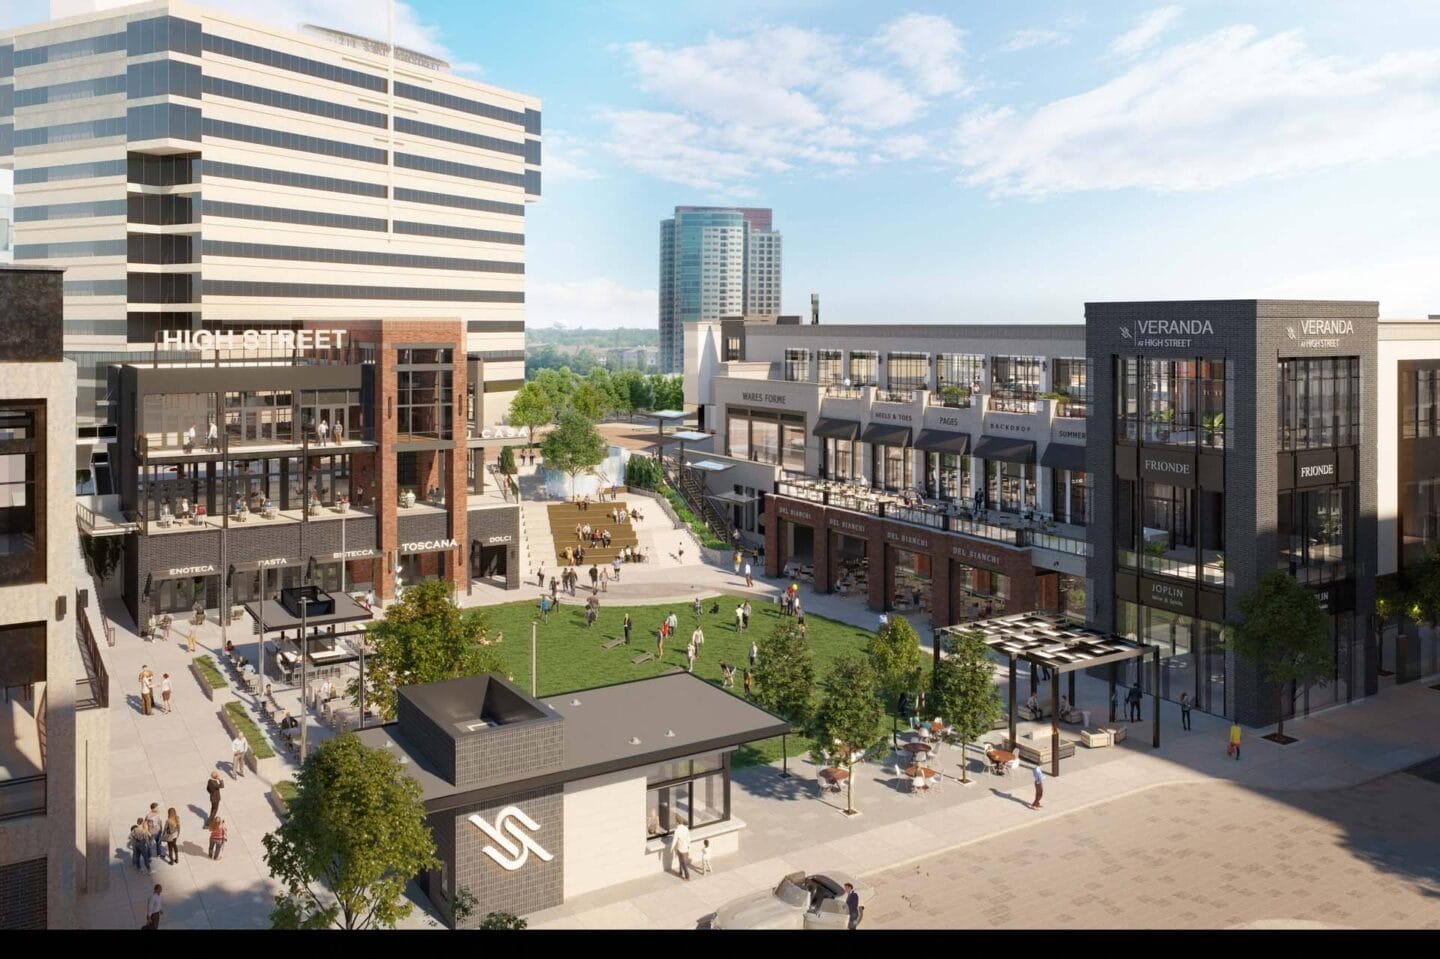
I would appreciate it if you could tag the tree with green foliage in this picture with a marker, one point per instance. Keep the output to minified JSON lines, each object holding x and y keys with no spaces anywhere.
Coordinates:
{"x":894,"y":652}
{"x":963,"y":693}
{"x":353,"y":837}
{"x":847,"y":720}
{"x":531,"y":409}
{"x":667,"y":392}
{"x":104,"y":554}
{"x":574,"y":446}
{"x":643,"y":472}
{"x":1389,"y":607}
{"x":590,"y":401}
{"x":507,"y":461}
{"x":785,"y":674}
{"x":1424,"y":583}
{"x":1286,"y":634}
{"x":424,"y":638}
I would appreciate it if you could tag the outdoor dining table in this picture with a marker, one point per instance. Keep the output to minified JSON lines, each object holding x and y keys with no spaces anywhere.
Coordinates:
{"x":998,"y":758}
{"x":915,"y":749}
{"x":919,"y":770}
{"x":835,"y":775}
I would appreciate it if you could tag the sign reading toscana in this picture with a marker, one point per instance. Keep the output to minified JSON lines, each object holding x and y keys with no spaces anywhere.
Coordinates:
{"x":427,"y":546}
{"x":253,"y":339}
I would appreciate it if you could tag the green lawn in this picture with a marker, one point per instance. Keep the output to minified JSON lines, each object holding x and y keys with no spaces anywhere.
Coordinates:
{"x":570,"y":657}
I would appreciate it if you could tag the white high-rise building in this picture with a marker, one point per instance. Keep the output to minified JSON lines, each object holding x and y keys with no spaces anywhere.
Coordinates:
{"x":714,"y":262}
{"x":194,"y":170}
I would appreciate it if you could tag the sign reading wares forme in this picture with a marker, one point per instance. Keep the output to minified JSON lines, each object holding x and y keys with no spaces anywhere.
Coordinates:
{"x":253,"y":339}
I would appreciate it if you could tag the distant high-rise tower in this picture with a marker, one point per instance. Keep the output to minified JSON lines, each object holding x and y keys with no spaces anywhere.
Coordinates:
{"x":714,"y":262}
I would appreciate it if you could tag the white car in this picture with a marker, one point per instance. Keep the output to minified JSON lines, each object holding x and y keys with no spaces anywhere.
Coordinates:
{"x":798,"y":902}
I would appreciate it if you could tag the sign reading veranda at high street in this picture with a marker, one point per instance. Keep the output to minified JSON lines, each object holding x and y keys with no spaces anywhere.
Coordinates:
{"x":253,"y":339}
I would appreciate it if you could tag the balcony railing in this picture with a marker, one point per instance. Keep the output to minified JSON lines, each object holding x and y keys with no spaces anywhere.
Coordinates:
{"x":24,"y":796}
{"x":944,"y":516}
{"x":835,"y":391}
{"x":895,"y":395}
{"x":952,"y":399}
{"x":1013,"y":401}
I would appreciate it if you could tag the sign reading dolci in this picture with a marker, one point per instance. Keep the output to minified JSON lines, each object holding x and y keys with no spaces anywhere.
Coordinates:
{"x":253,"y":339}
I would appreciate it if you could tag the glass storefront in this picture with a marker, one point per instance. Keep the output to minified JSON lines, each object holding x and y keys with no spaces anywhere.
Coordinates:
{"x":1069,"y":492}
{"x":978,"y":593}
{"x":1316,"y":534}
{"x":1192,"y":655}
{"x":843,"y":460}
{"x":947,"y":477}
{"x":764,"y":436}
{"x":694,"y":791}
{"x":851,"y":567}
{"x":180,"y":595}
{"x":1170,"y":530}
{"x":893,"y":467}
{"x":1010,"y":487}
{"x":912,"y":580}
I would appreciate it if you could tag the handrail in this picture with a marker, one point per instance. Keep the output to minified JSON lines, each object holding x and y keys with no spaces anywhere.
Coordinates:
{"x":97,"y":678}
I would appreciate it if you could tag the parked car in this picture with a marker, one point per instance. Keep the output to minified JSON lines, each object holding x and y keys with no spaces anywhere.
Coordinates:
{"x":798,"y":902}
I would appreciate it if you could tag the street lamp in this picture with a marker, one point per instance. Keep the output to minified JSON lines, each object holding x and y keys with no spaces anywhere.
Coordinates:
{"x":357,"y":645}
{"x":304,"y":659}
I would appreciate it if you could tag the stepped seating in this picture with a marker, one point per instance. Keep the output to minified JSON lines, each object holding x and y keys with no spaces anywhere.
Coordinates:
{"x":564,"y":516}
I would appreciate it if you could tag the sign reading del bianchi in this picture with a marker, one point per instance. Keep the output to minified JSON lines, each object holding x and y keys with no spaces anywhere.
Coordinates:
{"x":253,"y":339}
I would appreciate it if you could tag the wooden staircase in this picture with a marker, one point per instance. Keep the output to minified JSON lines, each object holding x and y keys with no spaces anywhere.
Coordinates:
{"x":564,"y":517}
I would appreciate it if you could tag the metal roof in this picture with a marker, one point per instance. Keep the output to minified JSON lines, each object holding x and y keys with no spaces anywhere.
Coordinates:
{"x":1051,"y":642}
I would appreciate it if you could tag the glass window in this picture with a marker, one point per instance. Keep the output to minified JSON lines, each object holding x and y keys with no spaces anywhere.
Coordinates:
{"x":1316,"y":528}
{"x":797,"y":365}
{"x":843,"y":460}
{"x":1320,"y":402}
{"x":907,"y":371}
{"x":1011,"y":486}
{"x":958,"y":377}
{"x":1015,"y":383}
{"x":947,"y":477}
{"x":864,"y":367}
{"x":1417,"y":404}
{"x":1071,"y":383}
{"x":893,"y":467}
{"x":793,"y":443}
{"x":737,"y":436}
{"x":1169,"y":402}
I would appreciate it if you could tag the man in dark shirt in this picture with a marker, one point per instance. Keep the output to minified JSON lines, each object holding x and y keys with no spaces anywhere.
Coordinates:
{"x":852,"y":904}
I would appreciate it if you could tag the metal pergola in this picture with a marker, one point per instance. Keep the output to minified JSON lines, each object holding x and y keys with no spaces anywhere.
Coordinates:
{"x":1048,"y":641}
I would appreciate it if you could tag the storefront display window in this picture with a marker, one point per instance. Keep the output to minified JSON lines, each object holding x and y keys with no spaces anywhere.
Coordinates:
{"x":913,"y":582}
{"x":947,"y":477}
{"x":1011,"y":486}
{"x":1316,"y":533}
{"x":894,"y":467}
{"x":843,"y":460}
{"x":764,"y":436}
{"x":1192,"y":655}
{"x":693,"y":791}
{"x":979,"y":593}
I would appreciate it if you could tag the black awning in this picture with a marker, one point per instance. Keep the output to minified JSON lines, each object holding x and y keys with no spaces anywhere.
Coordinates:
{"x":834,"y":429}
{"x":886,"y":434}
{"x":1064,"y":456}
{"x":943,"y":441}
{"x":1006,"y":449}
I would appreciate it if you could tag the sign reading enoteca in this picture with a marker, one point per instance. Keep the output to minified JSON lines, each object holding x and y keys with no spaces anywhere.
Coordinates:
{"x":428,"y":546}
{"x":253,"y":339}
{"x":516,"y":850}
{"x":175,"y":571}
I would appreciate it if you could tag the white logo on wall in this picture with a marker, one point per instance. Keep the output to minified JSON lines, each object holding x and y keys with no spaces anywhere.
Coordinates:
{"x":1324,"y":334}
{"x":518,"y":848}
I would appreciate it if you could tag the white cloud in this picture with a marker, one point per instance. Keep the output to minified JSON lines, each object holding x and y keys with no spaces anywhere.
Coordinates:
{"x":567,"y":157}
{"x":774,"y":100}
{"x":1146,"y":32}
{"x":598,"y":302}
{"x":1229,"y":107}
{"x":1408,"y":286}
{"x":1031,"y":39}
{"x":930,"y":48}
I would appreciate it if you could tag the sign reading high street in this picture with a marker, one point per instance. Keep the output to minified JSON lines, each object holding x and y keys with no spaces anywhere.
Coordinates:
{"x":253,"y":339}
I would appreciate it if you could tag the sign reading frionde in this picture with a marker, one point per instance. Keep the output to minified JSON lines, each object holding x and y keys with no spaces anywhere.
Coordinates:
{"x":1167,"y":466}
{"x":253,"y":339}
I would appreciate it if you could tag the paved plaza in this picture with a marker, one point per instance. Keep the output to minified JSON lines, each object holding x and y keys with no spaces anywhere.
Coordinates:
{"x":790,"y":825}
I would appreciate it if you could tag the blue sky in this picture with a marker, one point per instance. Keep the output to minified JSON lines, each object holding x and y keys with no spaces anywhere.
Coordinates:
{"x":966,"y":161}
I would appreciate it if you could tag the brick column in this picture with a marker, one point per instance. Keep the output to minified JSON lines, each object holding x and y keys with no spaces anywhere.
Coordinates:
{"x":879,"y":581}
{"x":821,"y":550}
{"x":772,"y":538}
{"x":940,"y":589}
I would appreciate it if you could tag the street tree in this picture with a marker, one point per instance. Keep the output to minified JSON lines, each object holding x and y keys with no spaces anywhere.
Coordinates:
{"x":424,"y":638}
{"x":590,"y":401}
{"x":963,"y":693}
{"x":574,"y":446}
{"x":531,"y":409}
{"x":847,"y":720}
{"x":1389,"y":608}
{"x":1286,"y":634}
{"x":353,"y":837}
{"x":894,"y":652}
{"x":785,"y":675}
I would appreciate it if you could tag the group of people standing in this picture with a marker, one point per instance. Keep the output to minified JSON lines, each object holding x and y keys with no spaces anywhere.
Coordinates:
{"x":147,"y":690}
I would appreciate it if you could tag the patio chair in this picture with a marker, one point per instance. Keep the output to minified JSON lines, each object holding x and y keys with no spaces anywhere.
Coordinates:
{"x":935,"y":781}
{"x":917,"y":785}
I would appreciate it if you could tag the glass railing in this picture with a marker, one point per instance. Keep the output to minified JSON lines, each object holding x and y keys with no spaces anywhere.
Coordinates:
{"x":895,"y":395}
{"x":1060,"y":544}
{"x":845,"y":392}
{"x":1012,"y":402}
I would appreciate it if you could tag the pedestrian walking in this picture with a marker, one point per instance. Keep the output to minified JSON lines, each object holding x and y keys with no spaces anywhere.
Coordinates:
{"x":1234,"y":747}
{"x":680,"y":845}
{"x":579,"y":528}
{"x":690,"y":657}
{"x":594,"y":578}
{"x":749,"y":579}
{"x":165,"y":690}
{"x":745,"y":614}
{"x":218,"y":835}
{"x":1133,"y":699}
{"x":153,"y":823}
{"x":749,"y":683}
{"x":544,"y":609}
{"x":615,"y":565}
{"x":738,"y":559}
{"x":696,"y":606}
{"x":239,"y":746}
{"x":170,"y":834}
{"x":554,"y":587}
{"x":140,"y":845}
{"x":213,"y":787}
{"x":754,"y":653}
{"x":852,"y":905}
{"x":1039,"y":786}
{"x":190,"y":640}
{"x":739,"y":617}
{"x":698,"y":639}
{"x":605,"y":580}
{"x":660,"y":641}
{"x":626,"y":625}
{"x":212,"y":437}
{"x":154,"y":909}
{"x":147,"y":691}
{"x":1185,"y":705}
{"x":540,"y":577}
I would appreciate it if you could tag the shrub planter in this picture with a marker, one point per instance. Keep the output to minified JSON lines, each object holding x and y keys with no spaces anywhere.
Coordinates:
{"x":280,"y":795}
{"x":261,"y":758}
{"x":208,"y":675}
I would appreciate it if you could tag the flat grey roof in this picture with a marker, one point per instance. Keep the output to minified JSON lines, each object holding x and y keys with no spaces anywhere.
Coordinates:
{"x":277,"y":617}
{"x":672,"y":716}
{"x":996,"y":331}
